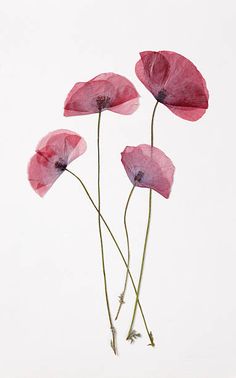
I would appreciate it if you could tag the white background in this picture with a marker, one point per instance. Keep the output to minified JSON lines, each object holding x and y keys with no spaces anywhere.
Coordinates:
{"x":53,"y":320}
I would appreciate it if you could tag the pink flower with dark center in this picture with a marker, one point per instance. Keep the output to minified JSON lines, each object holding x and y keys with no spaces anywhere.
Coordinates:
{"x":149,"y":167}
{"x":53,"y":153}
{"x":107,"y":91}
{"x":175,"y":82}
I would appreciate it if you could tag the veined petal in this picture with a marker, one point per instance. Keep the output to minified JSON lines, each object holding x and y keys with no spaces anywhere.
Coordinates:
{"x":188,"y":113}
{"x":84,"y":100}
{"x":53,"y":153}
{"x":149,"y":167}
{"x":152,"y":70}
{"x":107,"y":91}
{"x":175,"y":82}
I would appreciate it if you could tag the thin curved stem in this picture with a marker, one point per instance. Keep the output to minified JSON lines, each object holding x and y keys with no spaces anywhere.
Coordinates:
{"x":113,"y":331}
{"x":152,"y":124}
{"x":116,"y":244}
{"x":131,"y":332}
{"x":122,"y":296}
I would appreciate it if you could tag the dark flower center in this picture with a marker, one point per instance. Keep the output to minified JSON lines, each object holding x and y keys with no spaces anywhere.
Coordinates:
{"x":60,"y":165}
{"x":103,"y":102}
{"x":161,"y":95}
{"x":139,"y":176}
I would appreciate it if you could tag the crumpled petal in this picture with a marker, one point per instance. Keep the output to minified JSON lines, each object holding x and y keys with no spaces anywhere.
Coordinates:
{"x":149,"y":167}
{"x":53,"y":153}
{"x":112,"y":91}
{"x":174,"y":81}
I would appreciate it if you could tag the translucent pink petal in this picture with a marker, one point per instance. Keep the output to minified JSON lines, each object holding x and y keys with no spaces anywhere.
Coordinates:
{"x":64,"y":143}
{"x":152,"y":70}
{"x":175,"y":82}
{"x":149,"y":167}
{"x":68,"y":112}
{"x":125,"y":99}
{"x":188,"y":113}
{"x":41,"y":176}
{"x":53,"y":153}
{"x":108,"y":90}
{"x":128,"y":107}
{"x":84,"y":100}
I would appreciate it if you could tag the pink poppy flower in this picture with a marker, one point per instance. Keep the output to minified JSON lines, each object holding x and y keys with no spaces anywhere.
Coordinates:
{"x":107,"y":91}
{"x":53,"y":153}
{"x":175,"y":82}
{"x":149,"y":167}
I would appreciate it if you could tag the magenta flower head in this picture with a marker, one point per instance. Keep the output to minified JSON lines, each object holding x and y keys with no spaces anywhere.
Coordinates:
{"x":53,"y":153}
{"x":175,"y":82}
{"x":149,"y":167}
{"x":107,"y":91}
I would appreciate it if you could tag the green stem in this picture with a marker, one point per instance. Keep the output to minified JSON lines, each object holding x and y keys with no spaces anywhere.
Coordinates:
{"x":117,"y":245}
{"x":113,"y":331}
{"x":131,"y":332}
{"x":122,"y":296}
{"x":152,"y":124}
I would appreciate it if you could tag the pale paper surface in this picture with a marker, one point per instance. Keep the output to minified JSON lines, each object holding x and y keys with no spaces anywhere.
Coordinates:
{"x":53,"y":321}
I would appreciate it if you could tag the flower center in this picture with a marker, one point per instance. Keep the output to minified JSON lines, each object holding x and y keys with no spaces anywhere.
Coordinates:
{"x":139,"y":176}
{"x":103,"y":102}
{"x":60,"y":165}
{"x":161,"y":95}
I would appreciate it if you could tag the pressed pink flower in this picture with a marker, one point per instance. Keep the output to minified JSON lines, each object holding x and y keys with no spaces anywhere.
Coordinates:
{"x":149,"y":167}
{"x":175,"y":82}
{"x":53,"y":153}
{"x":107,"y":91}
